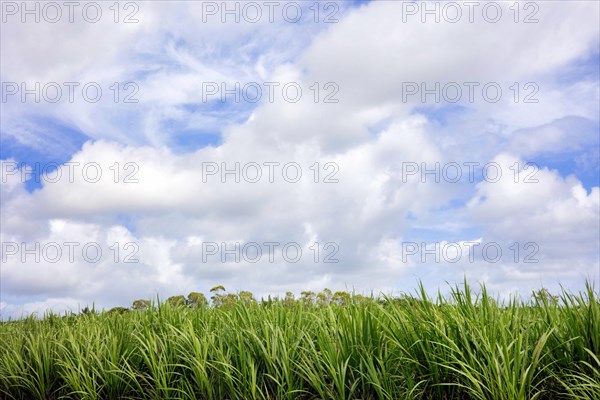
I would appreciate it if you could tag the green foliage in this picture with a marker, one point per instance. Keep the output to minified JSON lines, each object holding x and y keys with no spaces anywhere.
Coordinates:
{"x":218,"y":299}
{"x":118,"y":310}
{"x":324,"y":297}
{"x":333,"y":346}
{"x":141,"y":304}
{"x":86,"y":310}
{"x":246,"y":297}
{"x":176,"y":300}
{"x":217,"y":289}
{"x":340,"y":298}
{"x":544,"y":296}
{"x":307,"y":298}
{"x":197,"y":299}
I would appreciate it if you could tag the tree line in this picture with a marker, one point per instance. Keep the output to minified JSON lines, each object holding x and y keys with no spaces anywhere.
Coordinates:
{"x":220,"y":298}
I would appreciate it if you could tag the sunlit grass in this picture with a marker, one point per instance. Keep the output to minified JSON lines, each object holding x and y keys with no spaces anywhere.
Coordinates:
{"x":467,"y":346}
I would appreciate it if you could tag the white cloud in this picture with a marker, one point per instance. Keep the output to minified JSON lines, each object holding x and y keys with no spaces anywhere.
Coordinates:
{"x":369,"y":134}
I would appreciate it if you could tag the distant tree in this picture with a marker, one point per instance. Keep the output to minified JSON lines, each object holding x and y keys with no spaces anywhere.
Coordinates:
{"x":140,"y":304}
{"x":118,"y":310}
{"x":247,"y":297}
{"x":196,"y":299}
{"x":176,"y":300}
{"x":229,"y":299}
{"x":341,"y":298}
{"x":218,"y":297}
{"x":307,"y":298}
{"x":359,"y":298}
{"x":289,"y":299}
{"x":324,"y":297}
{"x":404,"y":300}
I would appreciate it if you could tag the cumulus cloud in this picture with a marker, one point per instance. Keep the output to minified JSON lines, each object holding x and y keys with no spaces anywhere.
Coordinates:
{"x":363,"y":206}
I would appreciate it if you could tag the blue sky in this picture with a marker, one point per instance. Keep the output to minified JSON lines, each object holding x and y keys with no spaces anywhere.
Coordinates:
{"x":153,"y":153}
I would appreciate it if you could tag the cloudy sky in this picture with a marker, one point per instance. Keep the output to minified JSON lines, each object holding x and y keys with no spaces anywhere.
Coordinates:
{"x":155,"y":148}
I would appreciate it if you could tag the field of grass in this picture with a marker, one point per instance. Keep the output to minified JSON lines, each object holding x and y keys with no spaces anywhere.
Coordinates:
{"x":466,"y":346}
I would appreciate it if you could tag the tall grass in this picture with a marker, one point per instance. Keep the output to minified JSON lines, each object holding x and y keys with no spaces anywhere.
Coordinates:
{"x":467,"y":346}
